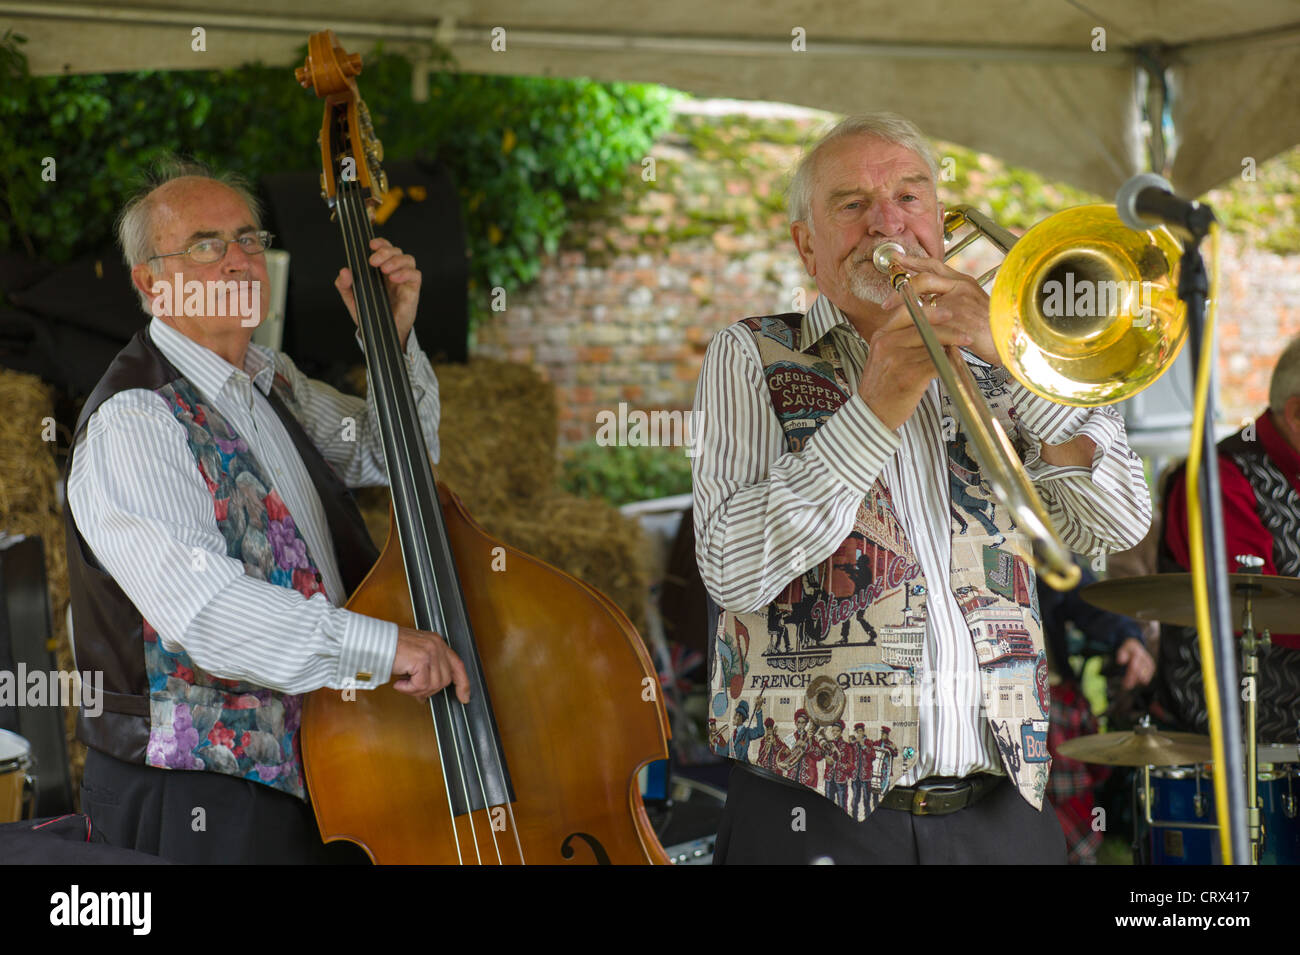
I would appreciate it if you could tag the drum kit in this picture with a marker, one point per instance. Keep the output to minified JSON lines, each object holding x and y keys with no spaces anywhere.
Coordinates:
{"x":17,"y":782}
{"x":1174,"y":791}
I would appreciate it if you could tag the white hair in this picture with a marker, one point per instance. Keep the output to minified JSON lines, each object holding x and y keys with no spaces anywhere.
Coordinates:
{"x":135,"y":221}
{"x":1286,"y":377}
{"x":889,"y":127}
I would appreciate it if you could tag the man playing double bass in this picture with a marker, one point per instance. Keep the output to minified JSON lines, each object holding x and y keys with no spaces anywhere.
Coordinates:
{"x":212,"y":541}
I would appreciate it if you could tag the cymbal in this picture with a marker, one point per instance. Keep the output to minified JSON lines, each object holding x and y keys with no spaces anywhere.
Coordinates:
{"x":1167,"y":598}
{"x":1145,"y":746}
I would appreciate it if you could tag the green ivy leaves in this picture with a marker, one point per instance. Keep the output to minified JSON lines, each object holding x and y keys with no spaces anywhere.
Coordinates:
{"x":520,"y":149}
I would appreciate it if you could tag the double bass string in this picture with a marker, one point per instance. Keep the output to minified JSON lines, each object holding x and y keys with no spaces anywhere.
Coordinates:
{"x":452,"y":707}
{"x":367,"y":284}
{"x":363,"y":286}
{"x":346,"y":137}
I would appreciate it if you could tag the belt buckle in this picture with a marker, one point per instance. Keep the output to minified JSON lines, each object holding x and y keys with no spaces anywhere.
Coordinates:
{"x":939,"y":789}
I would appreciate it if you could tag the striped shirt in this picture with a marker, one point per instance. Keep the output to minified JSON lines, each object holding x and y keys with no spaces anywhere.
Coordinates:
{"x":761,"y":510}
{"x":145,"y":512}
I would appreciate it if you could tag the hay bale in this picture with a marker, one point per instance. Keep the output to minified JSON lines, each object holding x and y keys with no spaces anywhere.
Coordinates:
{"x":373,"y":504}
{"x":29,"y":505}
{"x":498,"y":436}
{"x":591,"y":540}
{"x":498,"y":433}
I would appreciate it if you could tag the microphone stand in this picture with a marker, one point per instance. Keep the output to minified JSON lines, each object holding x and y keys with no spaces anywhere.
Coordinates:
{"x":1193,"y":289}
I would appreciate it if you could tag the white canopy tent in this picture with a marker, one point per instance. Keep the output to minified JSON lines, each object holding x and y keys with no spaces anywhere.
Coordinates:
{"x":1060,"y":86}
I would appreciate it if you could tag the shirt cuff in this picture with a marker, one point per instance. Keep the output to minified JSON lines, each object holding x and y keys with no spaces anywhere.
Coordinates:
{"x":412,"y":346}
{"x":854,"y":444}
{"x":366,"y":657}
{"x":1044,"y":420}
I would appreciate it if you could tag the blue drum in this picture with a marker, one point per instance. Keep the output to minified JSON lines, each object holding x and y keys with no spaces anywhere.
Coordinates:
{"x":1183,"y":794}
{"x":1186,"y":794}
{"x":1279,"y":791}
{"x":17,"y":781}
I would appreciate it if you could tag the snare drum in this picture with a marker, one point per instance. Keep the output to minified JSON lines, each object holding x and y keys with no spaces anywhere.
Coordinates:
{"x":1186,"y":794}
{"x":17,"y":784}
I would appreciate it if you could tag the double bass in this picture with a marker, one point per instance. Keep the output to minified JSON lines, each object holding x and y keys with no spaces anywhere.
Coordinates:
{"x":541,"y":765}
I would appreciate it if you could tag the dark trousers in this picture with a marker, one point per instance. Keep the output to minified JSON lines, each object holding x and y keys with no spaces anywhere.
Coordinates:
{"x":202,"y":817}
{"x":768,"y":822}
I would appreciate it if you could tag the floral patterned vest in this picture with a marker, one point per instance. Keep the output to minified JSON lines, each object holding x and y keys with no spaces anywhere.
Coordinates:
{"x":859,"y":617}
{"x":160,"y":707}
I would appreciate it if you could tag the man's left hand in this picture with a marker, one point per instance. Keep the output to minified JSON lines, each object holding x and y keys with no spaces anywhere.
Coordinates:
{"x":1139,"y":667}
{"x":402,"y":282}
{"x":951,"y":297}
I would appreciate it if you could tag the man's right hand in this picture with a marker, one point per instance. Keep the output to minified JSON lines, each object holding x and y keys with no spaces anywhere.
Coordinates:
{"x":898,"y":369}
{"x":424,"y":664}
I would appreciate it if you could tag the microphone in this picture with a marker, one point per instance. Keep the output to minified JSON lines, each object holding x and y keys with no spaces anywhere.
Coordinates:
{"x":1147,"y":201}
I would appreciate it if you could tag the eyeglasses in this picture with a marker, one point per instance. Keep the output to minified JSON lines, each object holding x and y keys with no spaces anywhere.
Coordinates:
{"x":207,"y":251}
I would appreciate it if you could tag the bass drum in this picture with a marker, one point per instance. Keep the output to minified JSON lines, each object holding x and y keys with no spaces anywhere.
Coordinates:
{"x":17,"y":781}
{"x":1183,"y":794}
{"x":1186,"y":794}
{"x":1279,"y":787}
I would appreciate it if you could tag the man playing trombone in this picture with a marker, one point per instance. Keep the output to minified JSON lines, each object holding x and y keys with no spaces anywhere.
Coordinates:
{"x":825,"y":442}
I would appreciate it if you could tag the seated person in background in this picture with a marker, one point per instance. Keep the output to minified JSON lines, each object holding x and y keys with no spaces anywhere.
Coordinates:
{"x":1125,"y":707}
{"x":1259,"y":482}
{"x":1072,"y":786}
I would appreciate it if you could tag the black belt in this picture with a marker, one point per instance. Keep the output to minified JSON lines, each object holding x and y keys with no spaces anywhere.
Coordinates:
{"x":932,"y":796}
{"x":940,"y":795}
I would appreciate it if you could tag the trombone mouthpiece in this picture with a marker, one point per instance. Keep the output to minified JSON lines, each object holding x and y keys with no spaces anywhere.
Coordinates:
{"x":883,"y":257}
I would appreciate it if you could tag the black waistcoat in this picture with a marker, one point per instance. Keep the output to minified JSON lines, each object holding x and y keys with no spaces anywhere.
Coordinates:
{"x":108,"y":626}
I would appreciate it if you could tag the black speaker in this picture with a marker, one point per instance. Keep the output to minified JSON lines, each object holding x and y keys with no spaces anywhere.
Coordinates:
{"x":319,"y":334}
{"x":26,"y":649}
{"x":67,"y":327}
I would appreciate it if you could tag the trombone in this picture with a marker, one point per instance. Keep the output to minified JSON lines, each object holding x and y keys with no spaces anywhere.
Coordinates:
{"x":1119,"y":334}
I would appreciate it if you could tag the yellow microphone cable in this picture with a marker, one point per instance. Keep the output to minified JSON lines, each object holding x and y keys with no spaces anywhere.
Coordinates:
{"x":1200,"y":583}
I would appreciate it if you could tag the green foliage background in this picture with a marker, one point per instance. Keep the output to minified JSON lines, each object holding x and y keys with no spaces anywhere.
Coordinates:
{"x":623,"y":474}
{"x":519,"y":148}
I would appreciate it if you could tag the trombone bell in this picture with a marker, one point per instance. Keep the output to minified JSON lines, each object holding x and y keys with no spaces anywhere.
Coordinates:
{"x":1085,"y":311}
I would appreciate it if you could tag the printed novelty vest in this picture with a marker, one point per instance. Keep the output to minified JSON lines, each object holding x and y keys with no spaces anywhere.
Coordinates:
{"x":160,"y":708}
{"x":860,"y":616}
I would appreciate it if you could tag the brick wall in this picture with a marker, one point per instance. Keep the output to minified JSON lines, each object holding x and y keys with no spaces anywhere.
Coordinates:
{"x":1259,"y":312}
{"x":625,"y":309}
